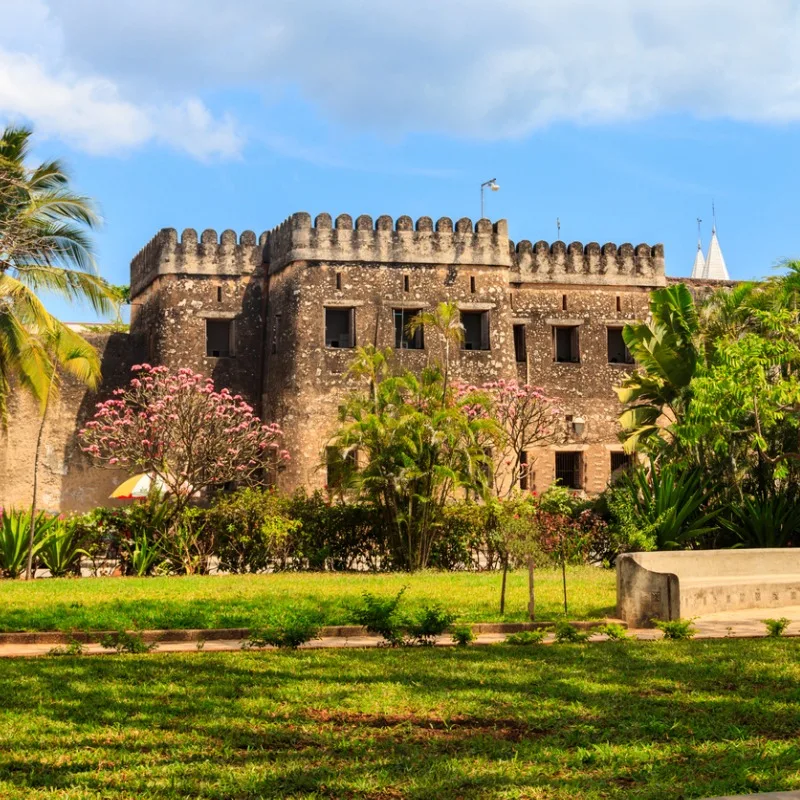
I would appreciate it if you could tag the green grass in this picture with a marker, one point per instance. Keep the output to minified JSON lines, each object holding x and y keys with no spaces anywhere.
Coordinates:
{"x":637,"y":720}
{"x":232,"y":601}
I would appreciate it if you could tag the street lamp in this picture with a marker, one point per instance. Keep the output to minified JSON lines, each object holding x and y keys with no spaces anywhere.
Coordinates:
{"x":493,"y":185}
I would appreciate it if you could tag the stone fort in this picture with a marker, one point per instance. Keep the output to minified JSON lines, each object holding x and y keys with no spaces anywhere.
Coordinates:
{"x":276,"y":317}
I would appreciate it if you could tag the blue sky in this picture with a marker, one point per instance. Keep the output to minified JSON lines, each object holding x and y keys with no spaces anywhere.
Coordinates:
{"x":624,"y":119}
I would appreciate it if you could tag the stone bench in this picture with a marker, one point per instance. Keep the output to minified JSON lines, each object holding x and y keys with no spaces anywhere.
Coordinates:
{"x":688,"y":583}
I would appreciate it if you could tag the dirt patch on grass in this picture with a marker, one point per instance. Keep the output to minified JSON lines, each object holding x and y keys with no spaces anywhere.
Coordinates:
{"x":457,"y":727}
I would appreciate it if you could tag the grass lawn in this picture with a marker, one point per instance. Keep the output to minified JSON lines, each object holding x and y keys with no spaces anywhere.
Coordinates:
{"x":636,"y":720}
{"x":231,"y":601}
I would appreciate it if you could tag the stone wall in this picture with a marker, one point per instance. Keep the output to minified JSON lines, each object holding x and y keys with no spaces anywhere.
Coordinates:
{"x":67,"y":481}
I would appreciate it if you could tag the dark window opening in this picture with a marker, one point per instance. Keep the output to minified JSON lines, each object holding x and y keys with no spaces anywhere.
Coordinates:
{"x":563,"y":302}
{"x":219,"y":338}
{"x":523,"y":470}
{"x":565,"y":344}
{"x":621,"y":461}
{"x":618,"y":352}
{"x":406,"y":283}
{"x":276,"y":332}
{"x":619,"y":303}
{"x":476,"y":330}
{"x":340,"y":327}
{"x":338,"y":280}
{"x":219,"y":294}
{"x":569,"y":469}
{"x":472,"y":284}
{"x":520,"y":345}
{"x":402,"y":339}
{"x":339,"y":467}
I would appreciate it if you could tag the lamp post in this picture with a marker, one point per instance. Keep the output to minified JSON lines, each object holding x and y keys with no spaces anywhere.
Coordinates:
{"x":493,"y":185}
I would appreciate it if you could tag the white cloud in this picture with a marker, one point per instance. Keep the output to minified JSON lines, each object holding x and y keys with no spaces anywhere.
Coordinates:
{"x":463,"y":67}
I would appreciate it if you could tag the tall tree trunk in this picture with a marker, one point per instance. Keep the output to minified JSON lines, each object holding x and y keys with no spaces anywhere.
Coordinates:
{"x":32,"y":535}
{"x":531,"y":595}
{"x":564,"y":581}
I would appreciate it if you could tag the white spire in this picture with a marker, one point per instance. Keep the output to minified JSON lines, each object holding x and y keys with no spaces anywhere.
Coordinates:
{"x":699,"y":263}
{"x":715,"y":268}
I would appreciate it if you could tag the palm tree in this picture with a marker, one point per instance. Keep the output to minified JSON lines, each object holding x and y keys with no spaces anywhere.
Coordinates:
{"x":57,"y":347}
{"x":446,"y":319}
{"x":44,"y":245}
{"x":667,"y":353}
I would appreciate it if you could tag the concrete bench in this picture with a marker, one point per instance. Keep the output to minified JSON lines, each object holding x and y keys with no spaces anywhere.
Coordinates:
{"x":687,"y":583}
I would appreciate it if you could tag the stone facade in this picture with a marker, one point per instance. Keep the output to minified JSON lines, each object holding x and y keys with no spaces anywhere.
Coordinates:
{"x":252,"y":313}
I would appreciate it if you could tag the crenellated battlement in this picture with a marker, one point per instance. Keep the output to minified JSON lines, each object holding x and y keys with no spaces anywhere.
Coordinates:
{"x":388,"y":241}
{"x":165,"y":254}
{"x":642,"y":265}
{"x":396,"y":241}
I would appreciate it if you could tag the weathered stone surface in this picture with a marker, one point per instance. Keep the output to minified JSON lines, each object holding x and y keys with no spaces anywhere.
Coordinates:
{"x":687,"y":583}
{"x":275,"y":291}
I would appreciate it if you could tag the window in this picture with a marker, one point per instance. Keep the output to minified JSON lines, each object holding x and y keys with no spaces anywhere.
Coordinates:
{"x":619,"y":303}
{"x":520,"y":346}
{"x":338,"y":280}
{"x":276,"y":332}
{"x":569,"y":464}
{"x":406,"y":283}
{"x":476,"y":330}
{"x":340,"y":327}
{"x":472,"y":284}
{"x":621,"y":461}
{"x":402,"y":340}
{"x":565,"y":344}
{"x":339,"y":466}
{"x":219,"y":294}
{"x":219,"y":338}
{"x":563,"y":302}
{"x":618,"y":352}
{"x":523,"y":470}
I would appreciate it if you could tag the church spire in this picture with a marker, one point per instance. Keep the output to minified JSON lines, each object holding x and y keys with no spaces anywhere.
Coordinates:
{"x":699,"y":262}
{"x":715,"y":268}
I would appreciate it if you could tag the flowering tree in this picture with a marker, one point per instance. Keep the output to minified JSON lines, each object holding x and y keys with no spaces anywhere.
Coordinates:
{"x":177,"y":427}
{"x":526,"y":418}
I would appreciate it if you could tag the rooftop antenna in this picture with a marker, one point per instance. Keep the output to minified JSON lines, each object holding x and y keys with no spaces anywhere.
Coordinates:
{"x":558,"y":229}
{"x":699,"y":235}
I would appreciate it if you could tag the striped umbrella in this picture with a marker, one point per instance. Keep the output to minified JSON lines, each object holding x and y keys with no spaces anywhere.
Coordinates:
{"x":139,"y":486}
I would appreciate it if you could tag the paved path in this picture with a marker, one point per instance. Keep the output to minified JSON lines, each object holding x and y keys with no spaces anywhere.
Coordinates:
{"x":731,"y":624}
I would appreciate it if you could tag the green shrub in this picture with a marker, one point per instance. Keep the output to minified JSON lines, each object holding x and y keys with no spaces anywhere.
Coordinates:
{"x":776,"y":627}
{"x":569,"y":634}
{"x":127,"y":642}
{"x":430,"y":622}
{"x":380,"y":615}
{"x":676,"y":629}
{"x":289,"y":632}
{"x":60,"y":549}
{"x":764,"y":522}
{"x":142,"y":555}
{"x":15,"y":530}
{"x":253,"y":530}
{"x":463,"y":635}
{"x":526,"y":637}
{"x":72,"y":648}
{"x":614,"y":631}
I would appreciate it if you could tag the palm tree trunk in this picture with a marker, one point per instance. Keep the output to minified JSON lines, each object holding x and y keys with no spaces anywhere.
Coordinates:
{"x":503,"y":585}
{"x":32,"y":535}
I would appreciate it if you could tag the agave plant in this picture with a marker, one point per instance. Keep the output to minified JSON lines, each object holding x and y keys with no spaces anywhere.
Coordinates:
{"x":764,"y":522}
{"x":15,"y":527}
{"x":59,"y":550}
{"x":671,"y":501}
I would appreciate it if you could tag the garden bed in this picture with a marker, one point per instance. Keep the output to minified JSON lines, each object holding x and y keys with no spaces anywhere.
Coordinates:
{"x":635,"y":720}
{"x":245,"y":601}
